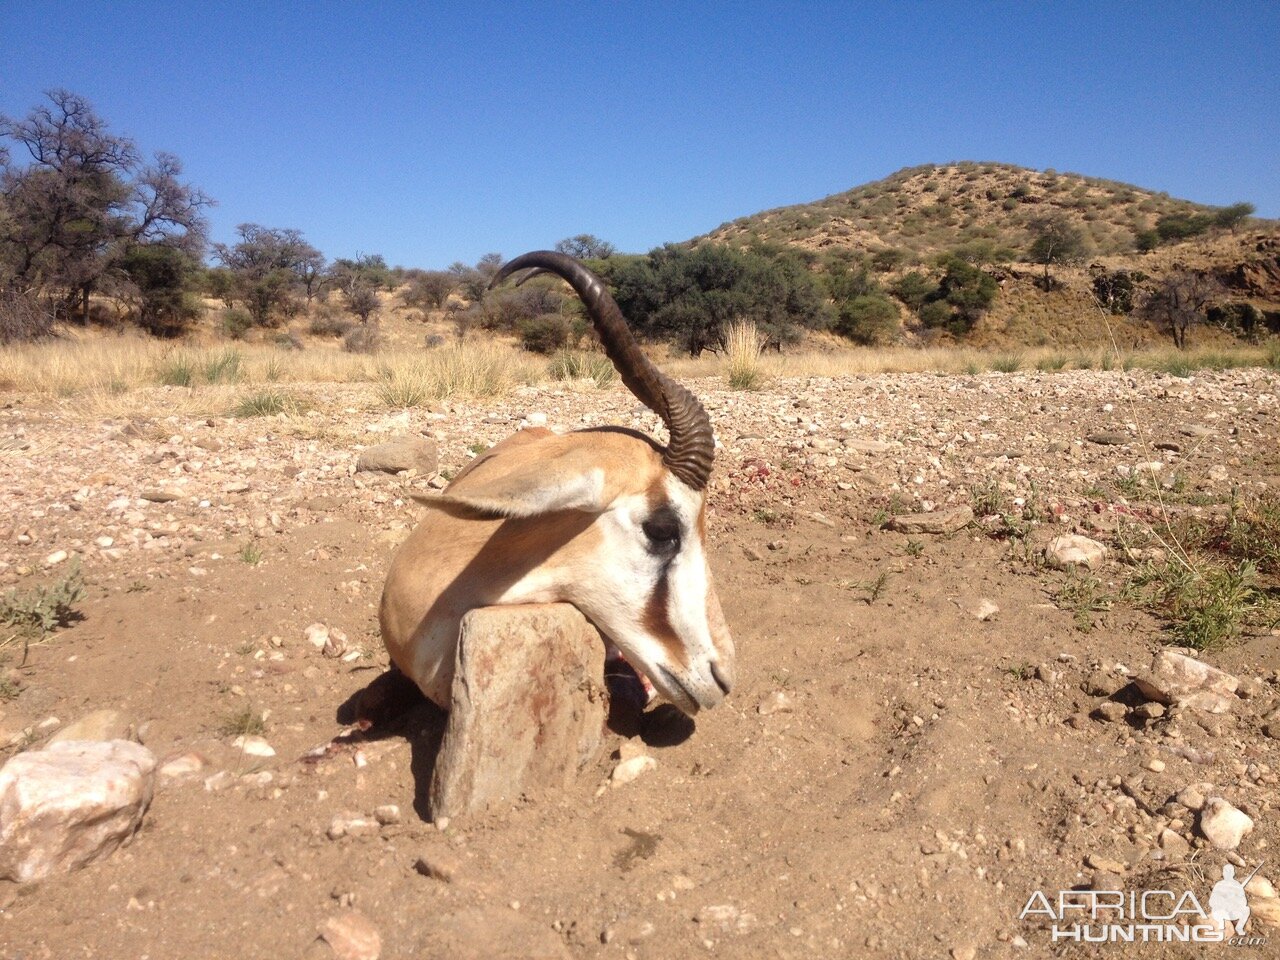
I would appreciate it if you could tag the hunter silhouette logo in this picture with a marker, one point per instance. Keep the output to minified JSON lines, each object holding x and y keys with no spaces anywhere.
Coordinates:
{"x":1228,"y":902}
{"x":1150,"y":916}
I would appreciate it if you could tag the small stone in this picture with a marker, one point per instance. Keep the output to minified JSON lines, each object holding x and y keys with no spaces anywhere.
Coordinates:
{"x":1110,"y":711}
{"x":105,"y":724}
{"x":352,"y":936}
{"x":1149,"y":711}
{"x":1261,"y":888}
{"x":254,"y":746}
{"x":1177,"y":678}
{"x":1191,"y":797}
{"x":1174,"y":844}
{"x":181,"y":765}
{"x":160,"y":495}
{"x":438,"y":865}
{"x":55,"y":558}
{"x":317,"y":634}
{"x":1267,"y":911}
{"x":984,"y":610}
{"x":388,"y":814}
{"x":1155,"y":765}
{"x":965,"y":952}
{"x":1108,"y":438}
{"x":335,"y":644}
{"x":937,"y":522}
{"x":725,"y":918}
{"x":1104,"y":683}
{"x":777,"y":702}
{"x":1107,"y":864}
{"x":351,"y":825}
{"x":1223,"y":825}
{"x":399,"y":454}
{"x":628,"y":770}
{"x":1072,"y":550}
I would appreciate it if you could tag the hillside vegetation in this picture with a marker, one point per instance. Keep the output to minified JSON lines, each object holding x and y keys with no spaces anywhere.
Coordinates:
{"x":980,"y":254}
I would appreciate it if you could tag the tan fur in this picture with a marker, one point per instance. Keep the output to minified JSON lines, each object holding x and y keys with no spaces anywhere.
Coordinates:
{"x":454,"y":562}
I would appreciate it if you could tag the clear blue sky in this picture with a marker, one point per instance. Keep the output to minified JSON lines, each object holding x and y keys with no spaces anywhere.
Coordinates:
{"x":438,"y":131}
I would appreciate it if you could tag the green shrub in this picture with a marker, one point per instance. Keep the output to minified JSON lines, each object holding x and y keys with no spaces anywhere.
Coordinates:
{"x":41,"y":609}
{"x":544,"y":334}
{"x":236,"y":323}
{"x":871,"y":319}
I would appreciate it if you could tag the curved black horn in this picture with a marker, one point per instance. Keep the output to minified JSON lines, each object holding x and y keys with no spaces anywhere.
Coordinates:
{"x":690,"y":452}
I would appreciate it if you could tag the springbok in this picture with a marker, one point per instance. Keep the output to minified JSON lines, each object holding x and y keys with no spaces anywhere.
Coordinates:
{"x":605,"y":519}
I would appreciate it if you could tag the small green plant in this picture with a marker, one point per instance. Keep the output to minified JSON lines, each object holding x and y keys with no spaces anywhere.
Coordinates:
{"x":1084,"y":596}
{"x":914,"y":548}
{"x":478,"y":447}
{"x":44,"y":608}
{"x":243,"y":723}
{"x":765,"y":516}
{"x":1021,"y":671}
{"x":987,"y":498}
{"x":8,"y":690}
{"x":251,"y":553}
{"x":1054,"y":361}
{"x":874,"y":588}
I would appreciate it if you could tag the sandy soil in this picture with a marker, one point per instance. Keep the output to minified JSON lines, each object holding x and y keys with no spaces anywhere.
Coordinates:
{"x":892,"y":777}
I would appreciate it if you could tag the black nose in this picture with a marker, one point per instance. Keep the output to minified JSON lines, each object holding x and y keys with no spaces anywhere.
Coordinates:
{"x":721,"y":681}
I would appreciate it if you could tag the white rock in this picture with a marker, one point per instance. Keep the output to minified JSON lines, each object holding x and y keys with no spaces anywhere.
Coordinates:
{"x":1223,"y":825}
{"x":777,"y":702}
{"x":628,"y":770}
{"x":1073,"y":550}
{"x":70,"y":804}
{"x":725,"y":918}
{"x":55,"y":558}
{"x":254,"y":746}
{"x":352,"y":936}
{"x":317,"y":635}
{"x":1177,"y":678}
{"x":984,"y":610}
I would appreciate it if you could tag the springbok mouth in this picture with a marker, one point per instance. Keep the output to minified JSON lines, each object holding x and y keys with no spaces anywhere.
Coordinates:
{"x":677,"y":691}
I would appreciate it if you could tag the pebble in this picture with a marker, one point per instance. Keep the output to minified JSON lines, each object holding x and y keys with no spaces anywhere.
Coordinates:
{"x":777,"y":702}
{"x":984,"y":610}
{"x":254,"y":746}
{"x":1110,"y":710}
{"x":438,"y":865}
{"x":628,"y":770}
{"x":1223,"y":825}
{"x":352,"y":936}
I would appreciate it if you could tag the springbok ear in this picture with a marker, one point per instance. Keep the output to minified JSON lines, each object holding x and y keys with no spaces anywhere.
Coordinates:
{"x":522,"y":487}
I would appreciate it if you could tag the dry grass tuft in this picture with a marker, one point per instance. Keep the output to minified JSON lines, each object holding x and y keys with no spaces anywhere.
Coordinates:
{"x":743,"y":368}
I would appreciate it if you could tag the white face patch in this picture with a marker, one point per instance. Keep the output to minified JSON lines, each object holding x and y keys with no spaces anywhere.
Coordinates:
{"x":651,"y":593}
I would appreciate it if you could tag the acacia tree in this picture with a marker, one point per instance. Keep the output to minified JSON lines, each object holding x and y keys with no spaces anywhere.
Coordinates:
{"x":264,"y":267}
{"x":1179,"y":302}
{"x":82,"y":200}
{"x":586,"y":246}
{"x":1054,"y":240}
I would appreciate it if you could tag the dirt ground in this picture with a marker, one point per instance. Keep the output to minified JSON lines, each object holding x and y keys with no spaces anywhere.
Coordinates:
{"x":914,"y":784}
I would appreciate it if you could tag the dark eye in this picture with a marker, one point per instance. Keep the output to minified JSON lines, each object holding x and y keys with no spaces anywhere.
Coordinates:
{"x":663,"y":531}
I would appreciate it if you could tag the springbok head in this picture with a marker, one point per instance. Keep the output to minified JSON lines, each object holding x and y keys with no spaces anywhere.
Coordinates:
{"x":606,"y":519}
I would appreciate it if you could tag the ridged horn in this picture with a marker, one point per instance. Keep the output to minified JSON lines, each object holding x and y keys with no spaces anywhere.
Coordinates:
{"x":691,"y":449}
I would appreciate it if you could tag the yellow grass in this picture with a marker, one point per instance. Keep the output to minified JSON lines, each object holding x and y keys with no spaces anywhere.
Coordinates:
{"x":113,"y":376}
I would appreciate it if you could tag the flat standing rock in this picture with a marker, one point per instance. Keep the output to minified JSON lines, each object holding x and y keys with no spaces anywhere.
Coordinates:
{"x":939,"y":521}
{"x":528,"y":706}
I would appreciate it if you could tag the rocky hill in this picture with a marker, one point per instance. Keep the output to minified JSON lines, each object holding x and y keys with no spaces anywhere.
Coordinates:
{"x":989,"y":213}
